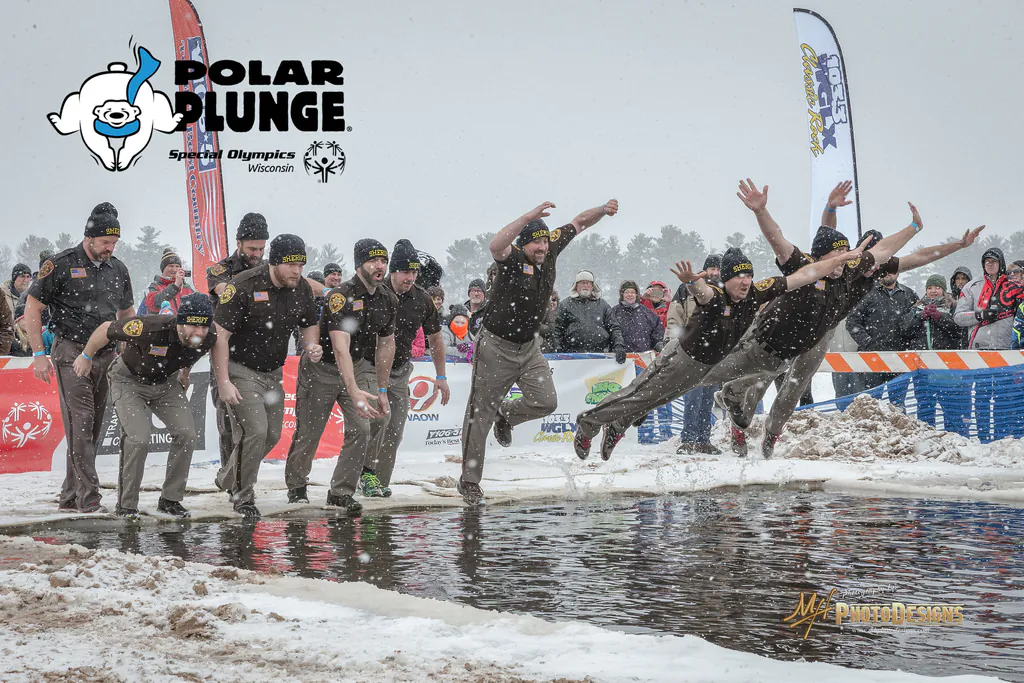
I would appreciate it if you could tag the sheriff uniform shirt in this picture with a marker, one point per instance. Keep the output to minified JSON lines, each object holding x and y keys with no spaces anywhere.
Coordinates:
{"x":222,"y":272}
{"x":415,"y":310}
{"x":716,"y":327}
{"x":794,"y":323}
{"x":152,"y":351}
{"x":351,"y":308}
{"x":521,"y":293}
{"x":81,"y":296}
{"x":261,"y":317}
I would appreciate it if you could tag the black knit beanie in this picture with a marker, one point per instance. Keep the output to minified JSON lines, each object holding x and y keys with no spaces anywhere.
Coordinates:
{"x":104,"y":207}
{"x":735,"y":263}
{"x":828,"y":239}
{"x":534,"y":230}
{"x":404,"y":257}
{"x":368,"y":248}
{"x":168,"y":258}
{"x":102,"y":225}
{"x":253,"y":226}
{"x":875,"y":236}
{"x":287,"y":249}
{"x":713,"y":261}
{"x":195,"y":309}
{"x":332,"y":268}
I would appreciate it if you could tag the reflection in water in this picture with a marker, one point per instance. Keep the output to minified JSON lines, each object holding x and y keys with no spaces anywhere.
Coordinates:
{"x":724,"y":566}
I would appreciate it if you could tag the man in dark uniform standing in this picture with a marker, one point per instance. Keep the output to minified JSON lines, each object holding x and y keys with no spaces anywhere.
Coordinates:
{"x":150,"y":377}
{"x":255,"y":318}
{"x":84,"y":287}
{"x":508,"y":346}
{"x":358,"y":319}
{"x":250,"y":243}
{"x":415,"y":310}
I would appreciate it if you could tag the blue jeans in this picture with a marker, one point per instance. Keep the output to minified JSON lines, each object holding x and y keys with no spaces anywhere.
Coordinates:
{"x":697,"y":416}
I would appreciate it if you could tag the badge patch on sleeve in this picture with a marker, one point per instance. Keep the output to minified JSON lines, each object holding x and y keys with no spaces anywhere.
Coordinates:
{"x":762,"y":285}
{"x":336,"y":302}
{"x":78,"y":273}
{"x":217,"y":269}
{"x":854,"y":263}
{"x":528,"y":269}
{"x":357,"y":305}
{"x":158,"y":350}
{"x":45,"y":269}
{"x":555,"y":234}
{"x":260,"y":296}
{"x":227,"y":294}
{"x":133,"y":328}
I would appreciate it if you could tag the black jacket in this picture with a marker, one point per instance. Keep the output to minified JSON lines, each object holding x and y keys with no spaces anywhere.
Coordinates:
{"x":933,"y":335}
{"x":879,"y":321}
{"x":586,"y":326}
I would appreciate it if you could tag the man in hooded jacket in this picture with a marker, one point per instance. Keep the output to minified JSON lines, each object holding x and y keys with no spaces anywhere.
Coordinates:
{"x":961,"y":276}
{"x":584,"y":322}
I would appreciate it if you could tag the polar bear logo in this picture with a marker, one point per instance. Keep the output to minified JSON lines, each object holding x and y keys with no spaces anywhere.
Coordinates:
{"x":117,"y":112}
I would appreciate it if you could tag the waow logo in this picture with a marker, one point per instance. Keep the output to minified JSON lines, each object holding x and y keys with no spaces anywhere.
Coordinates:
{"x":117,"y":111}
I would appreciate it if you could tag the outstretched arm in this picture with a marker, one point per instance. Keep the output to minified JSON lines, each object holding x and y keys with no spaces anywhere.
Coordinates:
{"x":501,"y":244}
{"x":926,"y":255}
{"x":819,"y":269}
{"x":591,"y":216}
{"x":694,"y":282}
{"x":884,"y":250}
{"x":757,"y":201}
{"x":836,"y":198}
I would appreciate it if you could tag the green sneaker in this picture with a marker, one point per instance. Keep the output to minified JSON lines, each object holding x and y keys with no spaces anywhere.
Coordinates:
{"x":370,"y":486}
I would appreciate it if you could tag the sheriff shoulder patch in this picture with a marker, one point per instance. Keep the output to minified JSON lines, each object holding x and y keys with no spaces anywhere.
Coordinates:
{"x":227,"y":294}
{"x":218,"y":269}
{"x":555,"y":234}
{"x":45,"y":269}
{"x":336,"y":302}
{"x":133,"y":328}
{"x":854,"y":263}
{"x":762,"y":285}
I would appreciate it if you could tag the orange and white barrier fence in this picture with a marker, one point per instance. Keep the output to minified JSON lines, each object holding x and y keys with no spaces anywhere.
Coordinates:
{"x":908,"y":361}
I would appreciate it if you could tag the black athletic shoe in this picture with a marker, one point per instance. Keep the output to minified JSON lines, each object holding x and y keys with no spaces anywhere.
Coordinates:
{"x":345,"y":502}
{"x":706,"y":447}
{"x":298,"y":495}
{"x":768,"y":445}
{"x":739,"y":441}
{"x":471,"y":493}
{"x":173,"y":508}
{"x":130,"y":514}
{"x":581,"y":444}
{"x":612,"y":437}
{"x":503,"y":431}
{"x":249,"y":511}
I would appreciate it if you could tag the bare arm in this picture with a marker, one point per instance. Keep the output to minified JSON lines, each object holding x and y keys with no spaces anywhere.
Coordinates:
{"x":97,"y":340}
{"x":311,"y":340}
{"x":836,"y":198}
{"x":884,"y":250}
{"x":436,"y":342}
{"x":384,"y":358}
{"x":501,"y":244}
{"x":926,"y":255}
{"x":757,"y":201}
{"x":221,"y":353}
{"x":694,"y":282}
{"x":33,"y":324}
{"x":590,"y":216}
{"x":318,"y":288}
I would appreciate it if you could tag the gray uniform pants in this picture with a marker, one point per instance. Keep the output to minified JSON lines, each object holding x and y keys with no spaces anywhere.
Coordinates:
{"x":745,"y":375}
{"x":386,"y":433}
{"x":255,"y":429}
{"x":799,"y":373}
{"x":224,"y":440}
{"x":134,"y":401}
{"x":83,"y":401}
{"x":318,"y":387}
{"x":672,"y":374}
{"x":497,"y":365}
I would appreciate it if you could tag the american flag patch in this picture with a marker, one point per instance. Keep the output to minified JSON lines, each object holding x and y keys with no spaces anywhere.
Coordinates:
{"x":260,"y":296}
{"x":357,"y":305}
{"x":78,"y":272}
{"x":820,"y":284}
{"x":158,"y":350}
{"x":528,"y":269}
{"x":726,"y":311}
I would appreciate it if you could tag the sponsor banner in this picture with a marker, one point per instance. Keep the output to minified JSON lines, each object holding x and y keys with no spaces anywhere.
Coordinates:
{"x":826,"y":99}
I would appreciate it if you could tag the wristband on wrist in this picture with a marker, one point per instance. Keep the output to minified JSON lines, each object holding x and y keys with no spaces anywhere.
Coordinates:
{"x":383,"y":390}
{"x":39,"y":353}
{"x":444,"y":377}
{"x":691,"y":282}
{"x":830,"y":210}
{"x":85,"y":356}
{"x":917,"y":228}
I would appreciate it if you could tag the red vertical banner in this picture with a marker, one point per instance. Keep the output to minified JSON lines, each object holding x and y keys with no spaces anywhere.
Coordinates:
{"x":204,"y":184}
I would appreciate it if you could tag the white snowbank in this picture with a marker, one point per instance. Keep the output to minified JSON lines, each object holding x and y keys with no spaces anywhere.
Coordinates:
{"x":67,"y":613}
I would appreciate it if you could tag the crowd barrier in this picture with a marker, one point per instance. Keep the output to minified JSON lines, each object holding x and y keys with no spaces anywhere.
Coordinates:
{"x":940,"y":388}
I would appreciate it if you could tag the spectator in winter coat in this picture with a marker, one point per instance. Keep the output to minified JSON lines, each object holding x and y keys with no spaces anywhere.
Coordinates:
{"x":21,"y":278}
{"x":458,"y":342}
{"x":476,"y":305}
{"x":641,"y":328}
{"x":683,"y":304}
{"x":654,"y":299}
{"x":961,"y":276}
{"x":547,"y":326}
{"x":584,"y":322}
{"x":875,"y":324}
{"x":6,"y":327}
{"x":437,"y":296}
{"x":169,"y":286}
{"x":1017,"y":334}
{"x":332,"y":275}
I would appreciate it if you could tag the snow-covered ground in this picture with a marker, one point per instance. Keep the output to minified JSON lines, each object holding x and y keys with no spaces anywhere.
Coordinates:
{"x":110,"y":616}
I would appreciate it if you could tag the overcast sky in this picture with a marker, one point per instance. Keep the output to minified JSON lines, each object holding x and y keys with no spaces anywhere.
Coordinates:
{"x":467,"y":114}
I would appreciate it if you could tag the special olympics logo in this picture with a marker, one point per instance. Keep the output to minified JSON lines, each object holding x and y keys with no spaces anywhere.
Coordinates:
{"x":324,"y":159}
{"x":337,"y":416}
{"x":421,"y":393}
{"x":26,"y":422}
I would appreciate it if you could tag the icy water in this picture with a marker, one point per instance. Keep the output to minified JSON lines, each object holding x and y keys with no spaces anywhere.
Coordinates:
{"x":725,"y":566}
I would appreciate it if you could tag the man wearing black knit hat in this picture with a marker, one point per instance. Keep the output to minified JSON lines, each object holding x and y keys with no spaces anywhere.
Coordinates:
{"x":358,"y":320}
{"x":720,"y":319}
{"x":415,"y":310}
{"x":150,"y":377}
{"x":332,"y":275}
{"x":255,"y":317}
{"x":169,"y":286}
{"x":508,"y":347}
{"x":83,"y":287}
{"x":797,"y":322}
{"x":250,"y":243}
